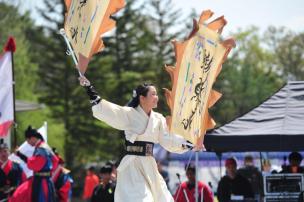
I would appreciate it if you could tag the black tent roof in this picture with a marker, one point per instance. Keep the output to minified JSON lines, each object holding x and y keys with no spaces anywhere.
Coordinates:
{"x":275,"y":125}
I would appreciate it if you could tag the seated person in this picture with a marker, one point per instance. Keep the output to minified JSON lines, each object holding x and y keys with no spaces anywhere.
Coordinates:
{"x":233,"y":184}
{"x":294,"y":159}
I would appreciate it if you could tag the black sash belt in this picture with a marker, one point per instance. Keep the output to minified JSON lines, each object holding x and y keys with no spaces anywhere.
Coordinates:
{"x":139,"y":148}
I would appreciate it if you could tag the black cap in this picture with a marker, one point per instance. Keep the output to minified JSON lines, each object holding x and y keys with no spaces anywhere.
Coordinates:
{"x":32,"y":132}
{"x":106,"y":169}
{"x":295,"y":156}
{"x":3,"y":145}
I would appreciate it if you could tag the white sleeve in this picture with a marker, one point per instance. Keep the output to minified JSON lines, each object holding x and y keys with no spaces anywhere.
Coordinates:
{"x":114,"y":115}
{"x":171,"y":142}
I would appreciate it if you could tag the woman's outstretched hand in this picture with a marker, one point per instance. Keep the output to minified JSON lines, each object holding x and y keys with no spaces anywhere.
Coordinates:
{"x":92,"y":93}
{"x":199,"y":148}
{"x":84,"y":81}
{"x":188,"y":145}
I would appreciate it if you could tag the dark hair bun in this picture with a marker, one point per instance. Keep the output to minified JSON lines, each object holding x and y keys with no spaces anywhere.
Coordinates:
{"x":141,"y":90}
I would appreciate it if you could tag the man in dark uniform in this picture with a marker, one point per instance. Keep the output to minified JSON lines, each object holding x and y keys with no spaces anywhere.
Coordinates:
{"x":253,"y":175}
{"x":11,"y":173}
{"x":105,"y":190}
{"x":233,"y":184}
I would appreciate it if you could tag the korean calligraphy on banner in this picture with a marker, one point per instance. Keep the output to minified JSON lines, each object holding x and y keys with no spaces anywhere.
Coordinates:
{"x":199,"y":61}
{"x":85,"y":22}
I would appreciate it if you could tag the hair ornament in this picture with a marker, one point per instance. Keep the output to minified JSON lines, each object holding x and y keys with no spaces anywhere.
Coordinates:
{"x":134,"y":94}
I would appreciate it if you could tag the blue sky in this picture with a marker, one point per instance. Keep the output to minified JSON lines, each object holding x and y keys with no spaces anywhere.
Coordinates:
{"x":239,"y":13}
{"x":243,"y":13}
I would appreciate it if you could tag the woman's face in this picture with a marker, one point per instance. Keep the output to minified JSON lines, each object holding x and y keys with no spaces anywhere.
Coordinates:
{"x":151,"y":100}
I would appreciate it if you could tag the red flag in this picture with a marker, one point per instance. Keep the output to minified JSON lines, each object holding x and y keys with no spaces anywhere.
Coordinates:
{"x":6,"y":94}
{"x":10,"y":45}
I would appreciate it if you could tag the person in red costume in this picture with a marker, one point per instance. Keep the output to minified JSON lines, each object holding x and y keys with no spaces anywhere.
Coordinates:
{"x":62,"y":180}
{"x":11,"y":173}
{"x":186,"y":191}
{"x":40,"y":187}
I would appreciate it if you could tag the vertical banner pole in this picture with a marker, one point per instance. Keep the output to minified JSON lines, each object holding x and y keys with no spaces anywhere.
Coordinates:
{"x":14,"y":102}
{"x":70,"y":50}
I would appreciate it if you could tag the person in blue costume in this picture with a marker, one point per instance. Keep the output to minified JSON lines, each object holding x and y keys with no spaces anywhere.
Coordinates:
{"x":40,"y":187}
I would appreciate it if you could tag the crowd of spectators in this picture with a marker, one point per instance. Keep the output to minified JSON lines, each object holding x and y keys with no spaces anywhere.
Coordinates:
{"x":246,"y":183}
{"x":100,"y":185}
{"x":238,"y":184}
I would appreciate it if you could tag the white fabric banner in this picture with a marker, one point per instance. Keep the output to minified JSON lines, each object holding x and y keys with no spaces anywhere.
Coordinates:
{"x":6,"y":94}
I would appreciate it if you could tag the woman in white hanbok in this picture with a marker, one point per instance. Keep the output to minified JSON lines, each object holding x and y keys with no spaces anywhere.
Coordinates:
{"x":138,"y":179}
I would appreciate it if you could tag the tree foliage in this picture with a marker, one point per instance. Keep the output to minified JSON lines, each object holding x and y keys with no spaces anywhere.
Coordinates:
{"x":288,"y":47}
{"x":247,"y":77}
{"x":19,"y":26}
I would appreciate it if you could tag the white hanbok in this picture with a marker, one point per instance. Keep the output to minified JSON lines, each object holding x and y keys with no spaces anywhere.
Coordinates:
{"x":138,"y":179}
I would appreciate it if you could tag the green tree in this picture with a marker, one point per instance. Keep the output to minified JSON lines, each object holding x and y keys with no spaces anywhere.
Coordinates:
{"x":288,"y":48}
{"x":114,"y":73}
{"x":247,"y":77}
{"x":164,"y":19}
{"x":130,"y":50}
{"x":18,"y":25}
{"x":62,"y":93}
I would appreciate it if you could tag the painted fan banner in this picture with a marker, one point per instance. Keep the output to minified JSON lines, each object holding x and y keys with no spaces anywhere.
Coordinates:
{"x":202,"y":57}
{"x":85,"y":22}
{"x":199,"y":61}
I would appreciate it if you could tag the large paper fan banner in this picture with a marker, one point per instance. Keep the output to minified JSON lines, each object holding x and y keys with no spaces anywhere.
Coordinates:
{"x":199,"y":60}
{"x":85,"y":22}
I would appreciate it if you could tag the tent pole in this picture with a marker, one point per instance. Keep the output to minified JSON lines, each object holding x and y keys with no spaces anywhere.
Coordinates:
{"x":219,"y":156}
{"x":261,"y":161}
{"x":196,"y":176}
